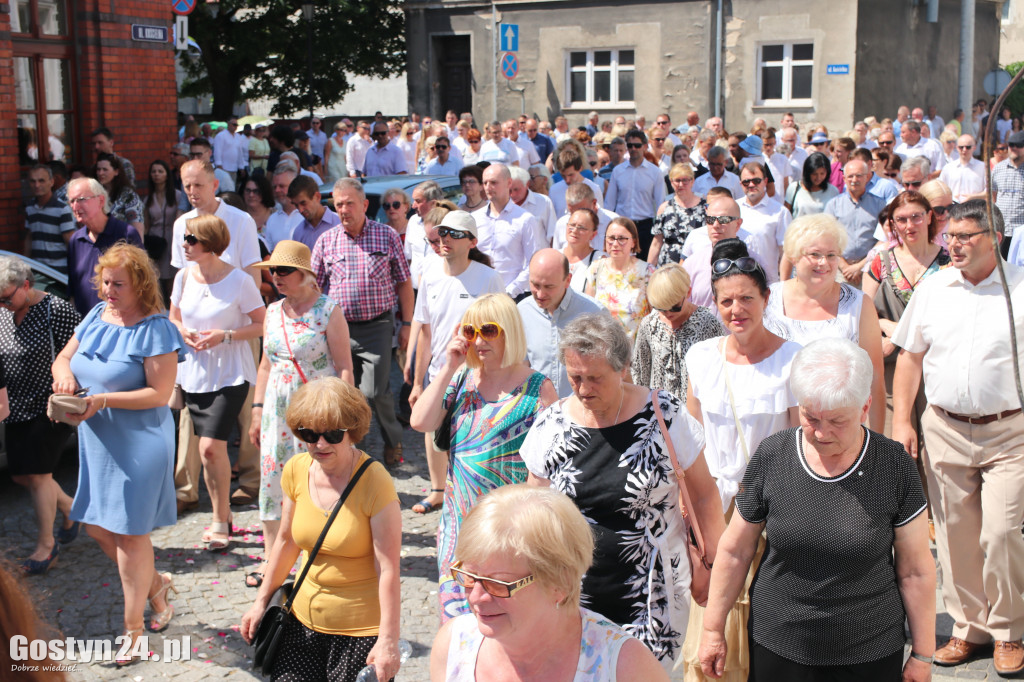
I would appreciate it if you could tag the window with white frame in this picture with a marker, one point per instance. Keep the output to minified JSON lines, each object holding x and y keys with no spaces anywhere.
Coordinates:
{"x":600,"y":77}
{"x":784,"y":73}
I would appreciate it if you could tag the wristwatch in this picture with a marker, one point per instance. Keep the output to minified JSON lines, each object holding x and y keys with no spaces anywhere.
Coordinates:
{"x":406,"y":324}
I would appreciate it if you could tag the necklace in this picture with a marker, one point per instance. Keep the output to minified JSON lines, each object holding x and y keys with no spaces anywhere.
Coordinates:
{"x":320,"y":505}
{"x":622,"y":396}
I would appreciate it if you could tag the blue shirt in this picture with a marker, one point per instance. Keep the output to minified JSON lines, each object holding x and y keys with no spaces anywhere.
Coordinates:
{"x":544,"y":146}
{"x":859,"y":218}
{"x":543,"y":332}
{"x":883,"y":188}
{"x":84,"y":254}
{"x":450,"y":167}
{"x":307,"y":234}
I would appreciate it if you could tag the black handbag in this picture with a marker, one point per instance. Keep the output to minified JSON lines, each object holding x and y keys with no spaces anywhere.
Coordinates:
{"x":443,"y":432}
{"x":271,"y":630}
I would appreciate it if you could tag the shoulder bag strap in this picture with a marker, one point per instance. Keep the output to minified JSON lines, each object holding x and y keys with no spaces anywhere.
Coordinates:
{"x":732,"y":402}
{"x":288,"y":345}
{"x":684,"y":501}
{"x":323,"y":534}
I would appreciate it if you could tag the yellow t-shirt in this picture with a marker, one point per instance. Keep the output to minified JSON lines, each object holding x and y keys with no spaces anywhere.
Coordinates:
{"x":339,"y":595}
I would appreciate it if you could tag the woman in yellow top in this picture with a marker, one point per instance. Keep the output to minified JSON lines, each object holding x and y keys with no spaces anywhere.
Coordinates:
{"x":346,"y":613}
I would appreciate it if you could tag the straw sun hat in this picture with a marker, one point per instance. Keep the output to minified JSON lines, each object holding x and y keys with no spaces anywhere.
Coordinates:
{"x":289,"y":253}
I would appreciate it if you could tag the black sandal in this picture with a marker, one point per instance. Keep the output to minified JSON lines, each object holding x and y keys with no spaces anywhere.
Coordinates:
{"x":427,"y":505}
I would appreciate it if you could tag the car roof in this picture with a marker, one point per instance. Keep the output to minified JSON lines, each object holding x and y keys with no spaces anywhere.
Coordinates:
{"x":38,"y":267}
{"x":380,"y":184}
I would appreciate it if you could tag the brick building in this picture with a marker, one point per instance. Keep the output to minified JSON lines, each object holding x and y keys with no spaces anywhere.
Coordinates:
{"x":73,"y":66}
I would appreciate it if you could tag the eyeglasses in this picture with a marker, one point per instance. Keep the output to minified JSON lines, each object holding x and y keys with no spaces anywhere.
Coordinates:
{"x":961,"y":237}
{"x":940,"y":210}
{"x":677,"y":308}
{"x":578,"y":227}
{"x":916,"y":219}
{"x":911,"y":184}
{"x":745,"y":264}
{"x":751,"y":182}
{"x":281,"y":270}
{"x":252,"y":190}
{"x":886,"y":143}
{"x":634,"y":145}
{"x":617,"y":239}
{"x":720,"y":219}
{"x":334,"y":436}
{"x":815,"y":257}
{"x":80,"y":200}
{"x":488,"y":331}
{"x":492,"y":586}
{"x":190,"y":239}
{"x":9,"y":300}
{"x":857,"y":176}
{"x":392,"y":205}
{"x":454,"y":234}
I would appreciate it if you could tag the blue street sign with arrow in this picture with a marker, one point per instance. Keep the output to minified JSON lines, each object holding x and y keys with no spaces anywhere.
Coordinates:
{"x":509,"y":37}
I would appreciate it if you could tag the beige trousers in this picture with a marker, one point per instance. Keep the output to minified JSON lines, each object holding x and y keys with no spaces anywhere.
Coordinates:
{"x":976,"y":485}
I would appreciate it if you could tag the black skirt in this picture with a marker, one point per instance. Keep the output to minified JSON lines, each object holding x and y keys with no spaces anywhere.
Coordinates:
{"x":214,"y":414}
{"x":34,"y":446}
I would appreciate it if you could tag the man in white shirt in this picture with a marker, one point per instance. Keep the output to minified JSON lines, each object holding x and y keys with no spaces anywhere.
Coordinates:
{"x":317,"y":138}
{"x":282,"y":222}
{"x":527,"y":152}
{"x":569,"y":164}
{"x":356,"y":148}
{"x":637,"y":189}
{"x":424,"y":198}
{"x":200,"y":149}
{"x":698,"y":155}
{"x":955,"y":331}
{"x":243,"y":252}
{"x":496,"y":148}
{"x":718,"y":176}
{"x":225,"y":150}
{"x":537,"y":204}
{"x":507,"y":233}
{"x":966,"y":175}
{"x":383,"y":158}
{"x":763,"y":216}
{"x":663,"y":122}
{"x":915,"y":145}
{"x":576,"y":197}
{"x":446,"y":291}
{"x":796,"y":154}
{"x":444,"y":163}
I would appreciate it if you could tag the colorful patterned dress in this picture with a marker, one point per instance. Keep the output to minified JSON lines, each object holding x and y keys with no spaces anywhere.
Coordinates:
{"x":307,"y":335}
{"x":624,"y":295}
{"x":484,"y":455}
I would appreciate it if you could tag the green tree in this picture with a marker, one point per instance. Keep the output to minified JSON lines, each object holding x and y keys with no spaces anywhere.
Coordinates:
{"x":254,"y":49}
{"x":1015,"y":100}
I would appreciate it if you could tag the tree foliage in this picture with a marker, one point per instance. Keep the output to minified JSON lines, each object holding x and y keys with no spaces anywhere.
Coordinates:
{"x":254,"y":49}
{"x":1015,"y":100}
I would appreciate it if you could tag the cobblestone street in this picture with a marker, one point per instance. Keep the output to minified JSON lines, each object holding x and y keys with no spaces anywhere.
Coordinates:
{"x":81,"y":595}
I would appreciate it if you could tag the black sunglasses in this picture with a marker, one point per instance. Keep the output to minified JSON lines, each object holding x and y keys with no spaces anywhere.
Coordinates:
{"x":745,"y":264}
{"x":677,"y":308}
{"x":442,"y":147}
{"x":334,"y":436}
{"x":379,"y":133}
{"x":190,"y":239}
{"x":635,"y":145}
{"x":392,"y":204}
{"x":940,"y":210}
{"x":720,"y":219}
{"x":909,"y":184}
{"x":454,"y":234}
{"x":281,"y":270}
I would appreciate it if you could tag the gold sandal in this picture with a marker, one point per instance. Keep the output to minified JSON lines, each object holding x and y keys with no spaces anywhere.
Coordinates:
{"x":128,"y":659}
{"x":162,"y":619}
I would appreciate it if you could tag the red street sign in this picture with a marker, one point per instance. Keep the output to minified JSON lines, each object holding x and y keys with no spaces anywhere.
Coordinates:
{"x":509,"y":66}
{"x":183,"y":7}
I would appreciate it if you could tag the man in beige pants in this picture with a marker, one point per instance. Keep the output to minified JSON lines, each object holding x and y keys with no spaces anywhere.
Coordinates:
{"x":955,"y":331}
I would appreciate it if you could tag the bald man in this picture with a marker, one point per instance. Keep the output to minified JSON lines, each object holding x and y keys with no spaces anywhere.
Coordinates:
{"x":552,"y":305}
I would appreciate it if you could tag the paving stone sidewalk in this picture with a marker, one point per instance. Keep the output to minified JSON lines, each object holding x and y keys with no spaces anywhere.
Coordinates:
{"x":81,"y":595}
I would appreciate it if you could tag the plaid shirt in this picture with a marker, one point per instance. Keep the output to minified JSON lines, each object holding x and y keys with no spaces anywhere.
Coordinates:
{"x":360,"y":273}
{"x":1008,"y":185}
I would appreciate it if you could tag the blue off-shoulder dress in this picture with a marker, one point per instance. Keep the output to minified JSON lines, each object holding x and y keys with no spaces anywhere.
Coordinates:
{"x":126,"y":457}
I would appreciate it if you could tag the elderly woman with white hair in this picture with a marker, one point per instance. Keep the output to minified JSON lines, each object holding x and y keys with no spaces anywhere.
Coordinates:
{"x":847,"y":559}
{"x":813,"y":305}
{"x":603,"y":446}
{"x":527,"y":548}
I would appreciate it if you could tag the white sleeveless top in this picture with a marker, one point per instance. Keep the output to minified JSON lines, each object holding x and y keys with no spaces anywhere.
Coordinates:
{"x":845,"y":325}
{"x":599,"y":649}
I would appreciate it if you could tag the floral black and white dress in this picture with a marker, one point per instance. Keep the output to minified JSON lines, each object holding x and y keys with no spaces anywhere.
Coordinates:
{"x":621,"y":479}
{"x":675,"y":224}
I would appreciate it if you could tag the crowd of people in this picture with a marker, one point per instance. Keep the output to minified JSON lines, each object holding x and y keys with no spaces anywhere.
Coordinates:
{"x":620,"y":334}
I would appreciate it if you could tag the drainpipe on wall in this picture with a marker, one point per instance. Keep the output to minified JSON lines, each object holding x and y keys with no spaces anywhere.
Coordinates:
{"x":494,"y":61}
{"x":965,"y":94}
{"x":718,"y":59}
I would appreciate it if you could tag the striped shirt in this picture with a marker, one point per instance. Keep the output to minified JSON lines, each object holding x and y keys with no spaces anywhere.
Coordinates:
{"x":361,"y":273}
{"x":48,"y":225}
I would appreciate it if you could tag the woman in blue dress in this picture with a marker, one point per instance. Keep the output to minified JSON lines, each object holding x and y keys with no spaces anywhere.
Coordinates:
{"x":125,"y":354}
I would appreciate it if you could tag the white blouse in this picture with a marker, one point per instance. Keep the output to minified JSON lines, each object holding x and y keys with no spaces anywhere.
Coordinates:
{"x":845,"y":325}
{"x":222,"y":305}
{"x":763,"y":398}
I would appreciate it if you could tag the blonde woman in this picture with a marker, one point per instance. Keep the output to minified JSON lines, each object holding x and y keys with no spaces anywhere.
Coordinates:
{"x":494,"y":397}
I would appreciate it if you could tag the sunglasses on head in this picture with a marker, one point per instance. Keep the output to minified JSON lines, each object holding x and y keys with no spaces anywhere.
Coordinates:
{"x":488,"y":331}
{"x":745,"y":264}
{"x":334,"y":436}
{"x":392,"y":205}
{"x":281,"y":270}
{"x":454,"y":234}
{"x":190,"y":239}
